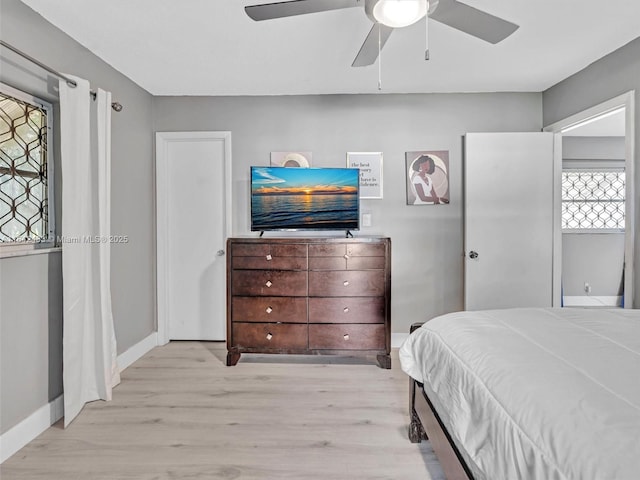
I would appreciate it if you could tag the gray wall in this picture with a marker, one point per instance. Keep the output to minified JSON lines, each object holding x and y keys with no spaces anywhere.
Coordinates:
{"x":427,"y":262}
{"x":609,"y":77}
{"x":594,"y":148}
{"x":30,"y":335}
{"x":596,"y":259}
{"x":30,"y":372}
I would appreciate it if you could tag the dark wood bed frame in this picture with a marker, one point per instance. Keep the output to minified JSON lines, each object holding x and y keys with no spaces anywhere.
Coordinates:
{"x":426,"y":425}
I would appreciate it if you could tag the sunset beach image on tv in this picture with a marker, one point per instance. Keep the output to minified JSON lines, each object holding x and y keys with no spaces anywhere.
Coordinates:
{"x":304,"y":198}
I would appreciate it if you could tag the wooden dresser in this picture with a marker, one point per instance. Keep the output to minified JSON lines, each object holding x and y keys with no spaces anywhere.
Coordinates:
{"x":309,"y":296}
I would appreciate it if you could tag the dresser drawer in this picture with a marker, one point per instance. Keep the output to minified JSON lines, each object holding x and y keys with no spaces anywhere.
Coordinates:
{"x":346,"y":310}
{"x":269,"y":283}
{"x":269,"y":262}
{"x":347,"y":337}
{"x":363,"y":283}
{"x":346,"y":263}
{"x":350,"y":249}
{"x":269,"y":309}
{"x":264,"y":249}
{"x":270,"y":336}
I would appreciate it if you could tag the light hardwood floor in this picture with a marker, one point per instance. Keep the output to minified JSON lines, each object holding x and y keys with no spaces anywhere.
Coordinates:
{"x":180,"y":413}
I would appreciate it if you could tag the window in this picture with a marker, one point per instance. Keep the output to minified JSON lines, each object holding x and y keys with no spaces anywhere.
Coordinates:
{"x":593,"y":199}
{"x":25,"y":173}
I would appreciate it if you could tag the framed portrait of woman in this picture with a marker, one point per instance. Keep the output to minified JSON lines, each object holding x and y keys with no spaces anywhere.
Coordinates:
{"x":427,"y":173}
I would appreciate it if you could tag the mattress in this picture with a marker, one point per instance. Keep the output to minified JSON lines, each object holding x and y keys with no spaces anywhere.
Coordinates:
{"x":537,"y":394}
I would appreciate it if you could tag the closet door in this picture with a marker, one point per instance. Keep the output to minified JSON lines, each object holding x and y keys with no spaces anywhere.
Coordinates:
{"x":508,"y":220}
{"x":193,"y":181}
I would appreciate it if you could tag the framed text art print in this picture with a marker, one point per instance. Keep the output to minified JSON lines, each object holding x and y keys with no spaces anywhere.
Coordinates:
{"x":370,"y":165}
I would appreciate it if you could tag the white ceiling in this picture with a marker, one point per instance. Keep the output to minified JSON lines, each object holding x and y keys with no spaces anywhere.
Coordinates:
{"x":211,"y":47}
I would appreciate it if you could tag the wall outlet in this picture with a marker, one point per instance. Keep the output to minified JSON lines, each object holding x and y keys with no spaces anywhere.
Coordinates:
{"x":587,"y":287}
{"x":366,"y":219}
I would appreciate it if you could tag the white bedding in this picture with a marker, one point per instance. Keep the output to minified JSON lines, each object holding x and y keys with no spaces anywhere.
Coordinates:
{"x":538,"y":394}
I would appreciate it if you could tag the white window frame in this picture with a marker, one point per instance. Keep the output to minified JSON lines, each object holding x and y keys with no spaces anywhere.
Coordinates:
{"x":10,"y":249}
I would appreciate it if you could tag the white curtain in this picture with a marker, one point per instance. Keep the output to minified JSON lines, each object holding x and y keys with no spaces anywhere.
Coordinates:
{"x":90,"y":368}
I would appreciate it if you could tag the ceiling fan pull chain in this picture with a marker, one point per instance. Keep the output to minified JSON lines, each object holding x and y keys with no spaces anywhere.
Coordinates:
{"x":426,"y":37}
{"x":379,"y":58}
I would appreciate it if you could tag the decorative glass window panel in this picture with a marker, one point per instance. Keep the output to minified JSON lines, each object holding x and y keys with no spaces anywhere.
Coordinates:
{"x":24,"y":175}
{"x":593,"y":199}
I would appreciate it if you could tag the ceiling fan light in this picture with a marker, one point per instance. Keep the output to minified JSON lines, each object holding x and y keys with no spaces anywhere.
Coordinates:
{"x":399,"y":13}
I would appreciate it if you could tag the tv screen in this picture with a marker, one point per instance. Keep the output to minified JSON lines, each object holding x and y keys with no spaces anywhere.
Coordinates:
{"x":284,"y":198}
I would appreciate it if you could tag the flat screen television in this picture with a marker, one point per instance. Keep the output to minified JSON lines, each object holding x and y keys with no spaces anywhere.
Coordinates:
{"x":286,"y":198}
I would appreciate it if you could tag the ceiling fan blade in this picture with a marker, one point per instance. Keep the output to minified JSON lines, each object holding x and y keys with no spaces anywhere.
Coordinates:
{"x":369,"y":51}
{"x":472,"y":21}
{"x":270,"y":11}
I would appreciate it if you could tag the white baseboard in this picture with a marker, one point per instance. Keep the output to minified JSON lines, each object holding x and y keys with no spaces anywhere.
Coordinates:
{"x":397,"y":339}
{"x":592,"y":301}
{"x":137,"y":351}
{"x":17,"y":437}
{"x":27,"y":430}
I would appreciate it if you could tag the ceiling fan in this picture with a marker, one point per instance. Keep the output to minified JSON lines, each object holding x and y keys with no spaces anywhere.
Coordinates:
{"x":387,"y":15}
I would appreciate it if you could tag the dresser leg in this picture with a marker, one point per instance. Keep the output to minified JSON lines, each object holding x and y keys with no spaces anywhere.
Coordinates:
{"x":384,"y":361}
{"x":232,"y":358}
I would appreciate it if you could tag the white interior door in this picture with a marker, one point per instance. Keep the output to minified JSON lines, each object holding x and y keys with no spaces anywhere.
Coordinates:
{"x":192,"y":189}
{"x":509,"y":220}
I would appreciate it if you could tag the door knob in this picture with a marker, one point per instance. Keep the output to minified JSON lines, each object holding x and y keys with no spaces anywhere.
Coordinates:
{"x":220,"y":253}
{"x":473,"y":254}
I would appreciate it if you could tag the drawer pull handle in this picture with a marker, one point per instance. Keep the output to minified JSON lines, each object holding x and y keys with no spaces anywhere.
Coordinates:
{"x":346,"y":257}
{"x":269,"y":336}
{"x":345,"y":309}
{"x":346,"y":283}
{"x":269,"y":310}
{"x":268,"y":284}
{"x":269,"y":257}
{"x":346,"y":336}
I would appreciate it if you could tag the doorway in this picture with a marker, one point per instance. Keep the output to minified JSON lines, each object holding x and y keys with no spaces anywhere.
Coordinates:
{"x":594,"y":231}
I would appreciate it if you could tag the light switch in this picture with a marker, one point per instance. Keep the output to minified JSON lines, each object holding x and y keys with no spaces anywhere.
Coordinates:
{"x":366,"y":219}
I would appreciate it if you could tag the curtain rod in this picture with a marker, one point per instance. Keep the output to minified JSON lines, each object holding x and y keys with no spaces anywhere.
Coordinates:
{"x":72,"y":83}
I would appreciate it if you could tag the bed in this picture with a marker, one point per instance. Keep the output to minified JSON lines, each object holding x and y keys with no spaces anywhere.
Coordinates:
{"x":535,"y":394}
